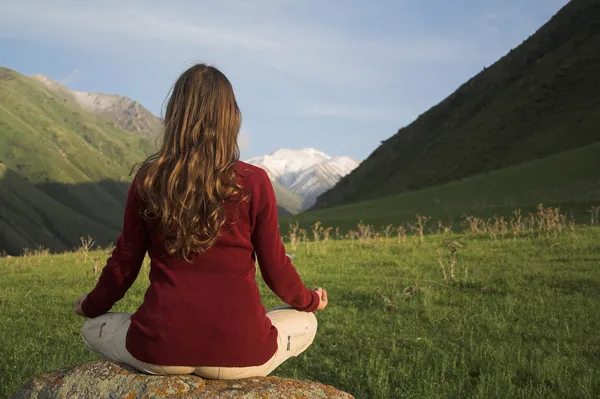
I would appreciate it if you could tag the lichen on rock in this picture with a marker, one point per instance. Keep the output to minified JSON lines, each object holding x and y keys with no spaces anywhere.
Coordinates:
{"x":103,"y":379}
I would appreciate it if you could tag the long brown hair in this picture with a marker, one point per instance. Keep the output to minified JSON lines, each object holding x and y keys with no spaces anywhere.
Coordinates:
{"x":185,"y":184}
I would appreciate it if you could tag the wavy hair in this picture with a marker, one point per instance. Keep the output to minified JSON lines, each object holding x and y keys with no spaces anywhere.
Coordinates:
{"x":185,"y":185}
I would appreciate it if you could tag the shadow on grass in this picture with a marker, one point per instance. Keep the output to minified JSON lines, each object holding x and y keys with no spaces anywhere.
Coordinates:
{"x":56,"y":215}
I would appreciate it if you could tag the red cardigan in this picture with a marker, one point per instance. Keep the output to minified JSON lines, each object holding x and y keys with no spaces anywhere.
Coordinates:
{"x":207,"y":313}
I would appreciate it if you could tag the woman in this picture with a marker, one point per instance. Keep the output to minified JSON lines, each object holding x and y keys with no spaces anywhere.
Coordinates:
{"x":205,"y":218}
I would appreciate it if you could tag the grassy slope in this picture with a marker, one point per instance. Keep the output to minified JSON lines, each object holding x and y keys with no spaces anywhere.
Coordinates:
{"x":522,"y":324}
{"x":570,"y":180}
{"x":126,"y":113}
{"x":29,"y":217}
{"x":64,"y":153}
{"x":70,"y":145}
{"x":288,"y":202}
{"x":541,"y":98}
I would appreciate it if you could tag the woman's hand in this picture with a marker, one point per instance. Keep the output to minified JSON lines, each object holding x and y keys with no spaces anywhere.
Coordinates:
{"x":77,"y":308}
{"x":323,"y":298}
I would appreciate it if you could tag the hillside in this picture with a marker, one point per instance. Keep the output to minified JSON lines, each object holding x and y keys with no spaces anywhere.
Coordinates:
{"x":570,"y":180}
{"x":288,"y":203}
{"x":126,"y":113}
{"x":540,"y":99}
{"x":30,"y":218}
{"x":62,"y":166}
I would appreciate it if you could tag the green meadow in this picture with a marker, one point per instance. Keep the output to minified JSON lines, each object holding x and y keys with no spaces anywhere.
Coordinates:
{"x":515,"y":317}
{"x":568,"y":180}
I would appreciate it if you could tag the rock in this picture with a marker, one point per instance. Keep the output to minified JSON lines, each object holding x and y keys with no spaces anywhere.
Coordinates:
{"x":103,"y":379}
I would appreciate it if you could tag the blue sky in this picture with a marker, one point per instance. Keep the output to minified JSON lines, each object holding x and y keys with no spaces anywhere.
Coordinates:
{"x":336,"y":75}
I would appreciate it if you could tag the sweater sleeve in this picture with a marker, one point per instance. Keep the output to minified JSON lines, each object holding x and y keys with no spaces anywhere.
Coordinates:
{"x":276,"y":268}
{"x":123,"y":266}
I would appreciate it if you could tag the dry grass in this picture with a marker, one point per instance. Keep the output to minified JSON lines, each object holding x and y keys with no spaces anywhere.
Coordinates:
{"x":87,"y":243}
{"x":546,"y":222}
{"x":594,"y":212}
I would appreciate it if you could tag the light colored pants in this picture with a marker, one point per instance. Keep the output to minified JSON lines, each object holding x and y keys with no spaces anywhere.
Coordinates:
{"x":105,"y":335}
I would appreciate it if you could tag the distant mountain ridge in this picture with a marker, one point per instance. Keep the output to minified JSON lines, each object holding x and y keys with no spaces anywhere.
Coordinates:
{"x":542,"y":98}
{"x":125,"y":112}
{"x":64,"y":172}
{"x":306,"y":172}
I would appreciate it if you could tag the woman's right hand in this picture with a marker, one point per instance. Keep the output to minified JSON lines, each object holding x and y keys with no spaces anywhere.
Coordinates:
{"x":323,"y":298}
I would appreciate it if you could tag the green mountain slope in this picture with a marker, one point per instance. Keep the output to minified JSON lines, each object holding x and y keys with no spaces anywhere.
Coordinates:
{"x":126,"y":113}
{"x":570,"y":180}
{"x":30,"y":218}
{"x":52,"y":149}
{"x":288,"y":202}
{"x":540,"y":99}
{"x":47,"y":138}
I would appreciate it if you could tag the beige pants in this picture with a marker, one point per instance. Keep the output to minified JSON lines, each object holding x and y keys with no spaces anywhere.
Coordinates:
{"x":105,"y":335}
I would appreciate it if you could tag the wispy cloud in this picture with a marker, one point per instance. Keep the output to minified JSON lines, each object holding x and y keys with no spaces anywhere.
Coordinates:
{"x":261,"y":32}
{"x":347,"y":111}
{"x":302,"y":67}
{"x":70,"y":77}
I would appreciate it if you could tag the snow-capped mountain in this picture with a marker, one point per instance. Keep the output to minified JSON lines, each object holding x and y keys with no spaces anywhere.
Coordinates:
{"x":306,"y":172}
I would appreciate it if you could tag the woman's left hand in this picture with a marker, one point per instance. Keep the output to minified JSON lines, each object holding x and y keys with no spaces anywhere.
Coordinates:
{"x":77,"y":307}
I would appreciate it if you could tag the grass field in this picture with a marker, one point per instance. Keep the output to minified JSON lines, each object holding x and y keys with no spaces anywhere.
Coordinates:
{"x":520,"y":318}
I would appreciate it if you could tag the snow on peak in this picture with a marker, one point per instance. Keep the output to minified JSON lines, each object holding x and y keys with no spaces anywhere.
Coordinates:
{"x":307,"y":172}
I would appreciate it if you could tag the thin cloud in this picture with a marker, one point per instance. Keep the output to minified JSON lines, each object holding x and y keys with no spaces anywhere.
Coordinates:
{"x":70,"y":78}
{"x":273,"y":38}
{"x":347,"y":111}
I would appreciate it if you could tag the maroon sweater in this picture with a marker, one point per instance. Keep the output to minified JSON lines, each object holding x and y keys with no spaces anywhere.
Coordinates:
{"x":209,"y":312}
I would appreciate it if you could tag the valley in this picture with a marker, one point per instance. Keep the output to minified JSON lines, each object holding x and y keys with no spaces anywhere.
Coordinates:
{"x":461,"y":257}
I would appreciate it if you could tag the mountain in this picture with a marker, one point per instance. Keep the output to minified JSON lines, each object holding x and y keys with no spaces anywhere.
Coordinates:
{"x":126,"y":113}
{"x":306,"y":172}
{"x":542,"y":98}
{"x":65,"y":171}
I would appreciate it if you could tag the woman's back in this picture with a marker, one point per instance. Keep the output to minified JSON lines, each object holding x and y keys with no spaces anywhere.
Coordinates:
{"x":213,"y":300}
